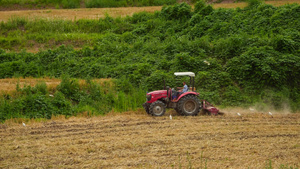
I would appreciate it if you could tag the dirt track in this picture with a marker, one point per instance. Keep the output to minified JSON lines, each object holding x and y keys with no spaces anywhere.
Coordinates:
{"x":136,"y":140}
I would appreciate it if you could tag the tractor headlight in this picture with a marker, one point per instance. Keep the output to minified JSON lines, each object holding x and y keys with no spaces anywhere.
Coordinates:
{"x":148,"y":96}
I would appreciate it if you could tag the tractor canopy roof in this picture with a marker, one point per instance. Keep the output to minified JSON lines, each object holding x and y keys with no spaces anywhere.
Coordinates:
{"x":191,"y":74}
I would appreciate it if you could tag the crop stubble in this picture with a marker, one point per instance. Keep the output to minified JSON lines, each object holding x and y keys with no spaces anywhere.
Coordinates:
{"x":137,"y":140}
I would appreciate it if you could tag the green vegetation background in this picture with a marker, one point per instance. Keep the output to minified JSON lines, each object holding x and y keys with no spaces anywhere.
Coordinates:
{"x":241,"y":57}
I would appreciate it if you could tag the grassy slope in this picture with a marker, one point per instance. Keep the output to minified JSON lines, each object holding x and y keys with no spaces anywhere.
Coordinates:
{"x":77,"y":40}
{"x":131,"y":49}
{"x":136,"y":140}
{"x":95,"y":13}
{"x":33,"y":42}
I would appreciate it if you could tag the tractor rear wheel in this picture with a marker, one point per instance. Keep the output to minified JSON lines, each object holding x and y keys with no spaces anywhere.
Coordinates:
{"x":157,"y":108}
{"x":189,"y":105}
{"x":178,"y":111}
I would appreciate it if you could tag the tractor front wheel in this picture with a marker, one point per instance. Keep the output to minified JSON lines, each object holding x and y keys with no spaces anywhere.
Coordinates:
{"x":189,"y":105}
{"x":157,"y":108}
{"x":146,"y":107}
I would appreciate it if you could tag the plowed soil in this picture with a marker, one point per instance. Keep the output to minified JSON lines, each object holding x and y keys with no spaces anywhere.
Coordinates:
{"x":136,"y":140}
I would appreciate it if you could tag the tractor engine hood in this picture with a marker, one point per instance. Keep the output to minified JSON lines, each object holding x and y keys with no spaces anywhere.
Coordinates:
{"x":155,"y":95}
{"x":157,"y":92}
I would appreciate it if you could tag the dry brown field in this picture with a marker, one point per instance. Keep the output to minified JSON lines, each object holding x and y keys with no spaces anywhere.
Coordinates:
{"x":136,"y":140}
{"x":73,"y":14}
{"x":9,"y":85}
{"x":96,"y":13}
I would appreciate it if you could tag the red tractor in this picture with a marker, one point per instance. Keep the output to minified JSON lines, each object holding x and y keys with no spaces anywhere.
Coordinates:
{"x":186,"y":103}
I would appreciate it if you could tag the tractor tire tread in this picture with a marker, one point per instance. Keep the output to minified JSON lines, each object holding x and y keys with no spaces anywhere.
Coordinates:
{"x":180,"y":106}
{"x":152,"y":105}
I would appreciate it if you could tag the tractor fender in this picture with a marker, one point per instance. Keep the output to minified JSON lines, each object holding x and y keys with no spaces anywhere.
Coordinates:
{"x":187,"y":93}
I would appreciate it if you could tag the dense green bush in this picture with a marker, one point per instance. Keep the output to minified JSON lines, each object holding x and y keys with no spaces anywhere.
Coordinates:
{"x":104,"y":3}
{"x":179,"y":11}
{"x":254,"y":3}
{"x":264,"y":67}
{"x":71,"y":3}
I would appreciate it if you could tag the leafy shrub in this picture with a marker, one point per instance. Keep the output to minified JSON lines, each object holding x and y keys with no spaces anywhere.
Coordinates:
{"x":9,"y":69}
{"x":9,"y":42}
{"x":141,"y":17}
{"x":70,"y":88}
{"x":195,"y":19}
{"x":13,"y":23}
{"x":104,"y":3}
{"x":71,"y":3}
{"x":156,"y":80}
{"x":185,"y":62}
{"x":233,"y":96}
{"x":284,"y":44}
{"x":261,"y":67}
{"x":206,"y":10}
{"x":254,"y":3}
{"x":199,"y":6}
{"x":178,"y":11}
{"x":212,"y":80}
{"x":37,"y":106}
{"x":227,"y":48}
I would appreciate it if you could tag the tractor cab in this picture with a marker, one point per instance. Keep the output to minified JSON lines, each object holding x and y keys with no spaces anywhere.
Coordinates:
{"x":192,"y":79}
{"x":177,"y":94}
